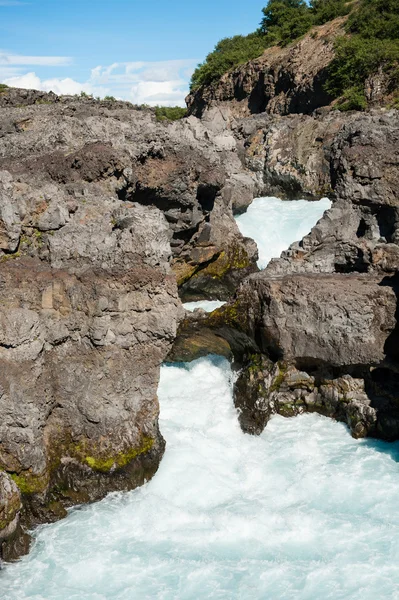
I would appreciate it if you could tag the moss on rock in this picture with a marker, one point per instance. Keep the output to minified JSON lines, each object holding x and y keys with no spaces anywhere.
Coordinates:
{"x":282,"y":369}
{"x":223,"y":265}
{"x":229,"y":315}
{"x":30,"y":483}
{"x":192,"y":345}
{"x":105,"y":463}
{"x":183,"y":271}
{"x":233,"y":259}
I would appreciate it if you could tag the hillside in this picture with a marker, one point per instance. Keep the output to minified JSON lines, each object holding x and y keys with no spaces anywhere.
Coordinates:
{"x":283,"y":80}
{"x":306,"y":56}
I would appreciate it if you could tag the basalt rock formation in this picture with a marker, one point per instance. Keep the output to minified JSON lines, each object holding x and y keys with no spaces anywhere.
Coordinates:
{"x":188,"y":171}
{"x":108,"y":216}
{"x":104,"y":212}
{"x":282,"y":81}
{"x":88,"y":312}
{"x":328,"y":306}
{"x":327,"y":309}
{"x":317,"y":329}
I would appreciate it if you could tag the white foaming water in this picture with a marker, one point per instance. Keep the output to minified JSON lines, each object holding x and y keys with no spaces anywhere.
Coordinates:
{"x":207,"y":305}
{"x":302,"y":512}
{"x":275,"y":224}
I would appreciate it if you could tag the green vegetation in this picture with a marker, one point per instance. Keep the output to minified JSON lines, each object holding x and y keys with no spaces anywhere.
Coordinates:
{"x":228,"y":53}
{"x":12,"y":256}
{"x":377,"y":19}
{"x":3,"y":87}
{"x":280,"y":377}
{"x":283,"y":22}
{"x":327,"y":10}
{"x":110,"y":99}
{"x":169,"y":113}
{"x":105,"y":463}
{"x":371,"y":44}
{"x":30,"y":483}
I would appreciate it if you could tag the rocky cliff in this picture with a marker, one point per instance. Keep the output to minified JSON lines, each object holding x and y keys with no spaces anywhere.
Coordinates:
{"x":108,"y":216}
{"x":317,"y":329}
{"x":89,"y":308}
{"x":328,"y":306}
{"x":104,"y":212}
{"x":284,"y":80}
{"x":188,"y":171}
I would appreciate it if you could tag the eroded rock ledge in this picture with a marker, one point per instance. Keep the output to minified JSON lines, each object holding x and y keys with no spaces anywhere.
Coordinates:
{"x":84,"y":327}
{"x":282,"y":81}
{"x":107,"y":216}
{"x":317,"y":330}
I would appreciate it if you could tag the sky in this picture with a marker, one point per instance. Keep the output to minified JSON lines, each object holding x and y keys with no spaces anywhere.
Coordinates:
{"x":138,"y":50}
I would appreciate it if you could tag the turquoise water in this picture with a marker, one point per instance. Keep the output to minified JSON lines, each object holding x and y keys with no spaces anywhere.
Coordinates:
{"x":303,"y":512}
{"x":275,"y":224}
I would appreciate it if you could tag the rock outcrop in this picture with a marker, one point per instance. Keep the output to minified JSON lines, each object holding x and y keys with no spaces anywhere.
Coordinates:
{"x":187,"y":170}
{"x":282,"y":81}
{"x":327,"y":309}
{"x":88,"y":312}
{"x":103,"y":211}
{"x":107,"y":216}
{"x":360,"y":232}
{"x":10,"y":507}
{"x":264,"y":389}
{"x":317,"y":320}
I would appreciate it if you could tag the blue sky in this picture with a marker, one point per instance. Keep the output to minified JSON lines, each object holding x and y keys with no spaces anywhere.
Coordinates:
{"x":141,"y":51}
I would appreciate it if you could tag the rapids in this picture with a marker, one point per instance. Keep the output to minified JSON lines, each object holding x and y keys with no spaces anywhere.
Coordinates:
{"x":274,"y":224}
{"x":302,"y":512}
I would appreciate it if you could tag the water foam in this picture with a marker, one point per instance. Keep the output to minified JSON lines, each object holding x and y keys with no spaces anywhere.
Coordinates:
{"x":303,"y":512}
{"x":206,"y":305}
{"x":275,"y":224}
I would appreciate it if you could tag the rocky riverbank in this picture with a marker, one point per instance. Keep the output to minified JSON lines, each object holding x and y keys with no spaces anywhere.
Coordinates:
{"x":108,"y":216}
{"x":317,"y":329}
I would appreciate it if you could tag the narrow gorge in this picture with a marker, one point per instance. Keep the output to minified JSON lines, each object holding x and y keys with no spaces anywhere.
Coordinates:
{"x":276,"y":215}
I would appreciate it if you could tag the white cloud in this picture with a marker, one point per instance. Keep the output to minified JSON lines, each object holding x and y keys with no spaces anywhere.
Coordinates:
{"x":58,"y":86}
{"x":158,"y":82}
{"x":42,"y":61}
{"x":162,"y":82}
{"x":159,"y":92}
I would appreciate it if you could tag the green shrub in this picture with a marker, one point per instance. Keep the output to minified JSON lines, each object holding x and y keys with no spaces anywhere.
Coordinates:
{"x":356,"y":58}
{"x":375,"y":19}
{"x":285,"y":21}
{"x":109,"y":99}
{"x":327,"y":10}
{"x":3,"y":87}
{"x":353,"y":99}
{"x":228,"y":53}
{"x":169,"y":113}
{"x":395,"y":100}
{"x":373,"y":44}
